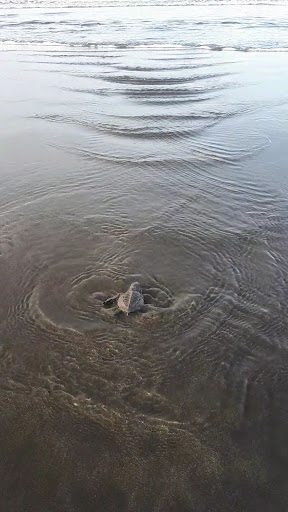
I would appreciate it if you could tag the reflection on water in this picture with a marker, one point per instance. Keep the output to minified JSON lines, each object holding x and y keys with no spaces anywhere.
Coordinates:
{"x":163,"y":167}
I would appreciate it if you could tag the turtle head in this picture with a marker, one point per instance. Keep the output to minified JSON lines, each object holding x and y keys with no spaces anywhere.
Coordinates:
{"x":135,"y":287}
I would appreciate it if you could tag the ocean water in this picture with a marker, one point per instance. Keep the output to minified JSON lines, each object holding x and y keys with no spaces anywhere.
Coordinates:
{"x":215,"y":27}
{"x":143,"y":143}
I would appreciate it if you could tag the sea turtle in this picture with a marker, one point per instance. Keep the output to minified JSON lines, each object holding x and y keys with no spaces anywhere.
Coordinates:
{"x":128,"y":302}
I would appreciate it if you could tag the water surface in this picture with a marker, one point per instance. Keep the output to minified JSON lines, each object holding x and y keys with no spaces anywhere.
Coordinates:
{"x":132,"y":150}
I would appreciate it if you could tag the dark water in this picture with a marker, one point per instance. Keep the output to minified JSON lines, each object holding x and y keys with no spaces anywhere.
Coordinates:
{"x":167,"y":165}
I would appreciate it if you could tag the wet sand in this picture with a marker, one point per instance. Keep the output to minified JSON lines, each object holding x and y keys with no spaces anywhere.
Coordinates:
{"x":168,"y":168}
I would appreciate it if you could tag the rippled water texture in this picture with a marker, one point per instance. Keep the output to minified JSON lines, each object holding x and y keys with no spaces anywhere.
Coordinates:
{"x":160,"y":162}
{"x":216,"y":27}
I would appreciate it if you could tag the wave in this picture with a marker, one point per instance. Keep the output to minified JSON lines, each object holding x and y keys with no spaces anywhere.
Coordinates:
{"x":148,"y":46}
{"x":210,"y":28}
{"x":137,"y":3}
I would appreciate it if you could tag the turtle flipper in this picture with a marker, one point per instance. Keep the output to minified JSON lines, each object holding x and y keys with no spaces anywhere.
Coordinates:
{"x":110,"y":301}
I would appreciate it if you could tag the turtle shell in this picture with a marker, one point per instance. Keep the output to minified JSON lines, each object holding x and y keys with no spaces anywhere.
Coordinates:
{"x":132,"y":300}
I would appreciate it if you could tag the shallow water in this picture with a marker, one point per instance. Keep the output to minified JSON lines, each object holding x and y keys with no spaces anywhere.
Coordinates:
{"x":216,"y":27}
{"x":162,"y":163}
